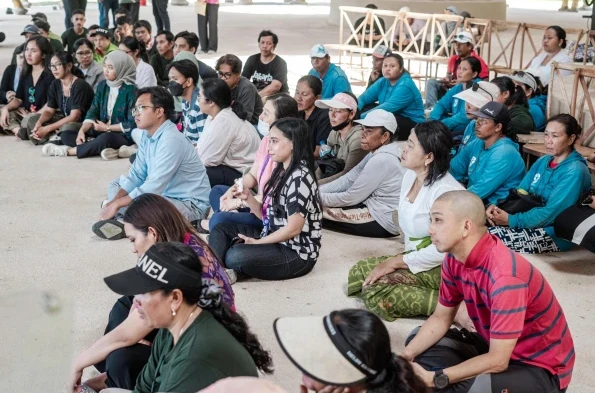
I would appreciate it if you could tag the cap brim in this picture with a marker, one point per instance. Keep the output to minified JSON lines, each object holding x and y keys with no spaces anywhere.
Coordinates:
{"x":378,"y":55}
{"x":131,"y":282}
{"x":483,"y":115}
{"x":319,"y":56}
{"x":299,"y":335}
{"x":520,"y":80}
{"x":473,"y":98}
{"x":366,"y":123}
{"x":327,"y":104}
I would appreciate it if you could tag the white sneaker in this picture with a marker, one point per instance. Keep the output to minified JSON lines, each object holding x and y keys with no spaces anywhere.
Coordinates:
{"x":232,"y":276}
{"x":109,"y":154}
{"x":127,"y":151}
{"x":54,"y":150}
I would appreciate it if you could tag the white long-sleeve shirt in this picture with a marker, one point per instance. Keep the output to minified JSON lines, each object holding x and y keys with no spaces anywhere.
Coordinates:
{"x":228,"y":140}
{"x":544,"y":71}
{"x":414,"y":220}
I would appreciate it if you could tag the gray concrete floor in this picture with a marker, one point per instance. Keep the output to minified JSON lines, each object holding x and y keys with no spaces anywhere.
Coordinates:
{"x":47,"y":207}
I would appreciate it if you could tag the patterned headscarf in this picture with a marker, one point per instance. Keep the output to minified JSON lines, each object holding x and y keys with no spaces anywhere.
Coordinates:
{"x":125,"y":68}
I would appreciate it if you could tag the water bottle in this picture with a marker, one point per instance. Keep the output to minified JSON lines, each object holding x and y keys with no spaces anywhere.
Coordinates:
{"x":324,"y":150}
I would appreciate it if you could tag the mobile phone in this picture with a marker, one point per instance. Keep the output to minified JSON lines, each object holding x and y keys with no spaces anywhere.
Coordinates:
{"x":587,"y":201}
{"x":241,"y":184}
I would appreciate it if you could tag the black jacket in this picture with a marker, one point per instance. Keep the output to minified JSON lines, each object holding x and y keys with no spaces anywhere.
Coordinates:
{"x":7,"y":83}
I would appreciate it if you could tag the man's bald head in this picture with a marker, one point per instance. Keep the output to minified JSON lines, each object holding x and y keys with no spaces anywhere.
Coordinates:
{"x":465,"y":205}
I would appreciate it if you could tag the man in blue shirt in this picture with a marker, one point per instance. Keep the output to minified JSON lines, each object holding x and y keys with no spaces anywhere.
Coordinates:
{"x":166,"y":164}
{"x":333,"y":78}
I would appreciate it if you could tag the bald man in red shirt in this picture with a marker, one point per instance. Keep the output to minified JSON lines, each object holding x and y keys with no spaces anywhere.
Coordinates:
{"x":523,"y":343}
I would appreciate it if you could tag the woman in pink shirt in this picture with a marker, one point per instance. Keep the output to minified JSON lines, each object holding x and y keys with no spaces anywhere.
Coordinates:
{"x":226,"y":208}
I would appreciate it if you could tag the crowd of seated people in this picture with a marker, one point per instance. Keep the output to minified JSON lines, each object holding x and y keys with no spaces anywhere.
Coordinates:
{"x":276,"y":170}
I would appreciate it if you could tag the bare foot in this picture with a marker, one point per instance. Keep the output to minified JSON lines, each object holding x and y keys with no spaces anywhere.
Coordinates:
{"x":462,"y":319}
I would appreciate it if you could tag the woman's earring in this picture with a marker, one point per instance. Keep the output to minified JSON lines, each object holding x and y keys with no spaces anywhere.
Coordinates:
{"x":173,"y":312}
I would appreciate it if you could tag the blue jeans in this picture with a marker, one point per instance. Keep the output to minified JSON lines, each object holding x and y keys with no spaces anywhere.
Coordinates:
{"x":243,"y":216}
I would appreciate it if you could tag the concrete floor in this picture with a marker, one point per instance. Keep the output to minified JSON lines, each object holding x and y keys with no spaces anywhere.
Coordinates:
{"x":47,"y":207}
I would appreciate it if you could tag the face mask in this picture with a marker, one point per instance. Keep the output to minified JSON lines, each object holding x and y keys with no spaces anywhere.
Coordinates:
{"x":339,"y":127}
{"x":263,"y":128}
{"x":175,"y":88}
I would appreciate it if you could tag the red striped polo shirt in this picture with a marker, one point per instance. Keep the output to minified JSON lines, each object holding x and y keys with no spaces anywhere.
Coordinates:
{"x":508,"y":298}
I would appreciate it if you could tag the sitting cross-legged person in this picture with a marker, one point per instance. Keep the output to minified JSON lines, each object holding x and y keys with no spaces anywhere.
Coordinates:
{"x":229,"y":142}
{"x":69,"y":99}
{"x":225,"y":207}
{"x":166,"y":164}
{"x":83,"y":49}
{"x":109,"y":121}
{"x":523,"y":342}
{"x":307,"y":91}
{"x":288,"y":243}
{"x":334,"y":80}
{"x":396,"y":93}
{"x":200,"y":339}
{"x":344,"y":140}
{"x":555,"y":182}
{"x":362,"y":201}
{"x":406,"y":285}
{"x":449,"y":109}
{"x":125,"y":348}
{"x":491,"y":165}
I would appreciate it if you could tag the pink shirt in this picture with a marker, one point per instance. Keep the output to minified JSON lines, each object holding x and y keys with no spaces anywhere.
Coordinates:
{"x":263,"y":165}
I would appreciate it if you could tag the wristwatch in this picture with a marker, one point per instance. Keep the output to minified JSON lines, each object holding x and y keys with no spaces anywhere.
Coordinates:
{"x":440,"y":379}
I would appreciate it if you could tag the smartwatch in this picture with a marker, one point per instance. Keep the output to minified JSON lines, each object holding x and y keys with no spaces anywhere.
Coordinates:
{"x":440,"y":379}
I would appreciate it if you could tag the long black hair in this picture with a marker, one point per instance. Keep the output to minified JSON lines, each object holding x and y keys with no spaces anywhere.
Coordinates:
{"x":368,"y":336}
{"x":46,"y":49}
{"x":516,"y":96}
{"x":233,"y":322}
{"x":133,"y":44}
{"x":66,"y":58}
{"x":435,"y":137}
{"x":217,"y":91}
{"x":296,"y":130}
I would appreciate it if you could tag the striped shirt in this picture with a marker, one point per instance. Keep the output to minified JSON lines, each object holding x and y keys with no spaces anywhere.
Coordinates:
{"x":507,"y":298}
{"x":192,"y":118}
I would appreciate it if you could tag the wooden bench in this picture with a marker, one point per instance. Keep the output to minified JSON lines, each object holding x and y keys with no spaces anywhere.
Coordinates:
{"x":538,"y":150}
{"x":535,"y":137}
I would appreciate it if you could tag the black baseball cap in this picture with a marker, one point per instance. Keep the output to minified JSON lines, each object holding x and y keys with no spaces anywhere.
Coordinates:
{"x":101,"y":31}
{"x":39,"y":15}
{"x":153,"y":271}
{"x":31,"y":29}
{"x":495,"y":111}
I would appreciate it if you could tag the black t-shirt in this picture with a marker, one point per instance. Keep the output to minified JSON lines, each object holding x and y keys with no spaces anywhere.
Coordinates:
{"x":34,"y":97}
{"x":263,"y":74}
{"x":159,"y":64}
{"x":81,"y":97}
{"x":366,"y":29}
{"x":319,"y":126}
{"x":69,"y":37}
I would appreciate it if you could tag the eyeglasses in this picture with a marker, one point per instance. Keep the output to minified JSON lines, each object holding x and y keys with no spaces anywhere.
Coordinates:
{"x":476,"y":87}
{"x":54,"y":67}
{"x":138,"y":110}
{"x":224,"y":75}
{"x":31,"y":94}
{"x":482,"y":122}
{"x":84,"y":54}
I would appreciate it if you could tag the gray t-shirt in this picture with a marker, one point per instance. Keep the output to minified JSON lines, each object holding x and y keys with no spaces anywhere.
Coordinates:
{"x":246,"y":94}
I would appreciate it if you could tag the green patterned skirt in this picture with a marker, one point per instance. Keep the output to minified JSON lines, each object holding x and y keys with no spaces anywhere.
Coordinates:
{"x":400,"y":294}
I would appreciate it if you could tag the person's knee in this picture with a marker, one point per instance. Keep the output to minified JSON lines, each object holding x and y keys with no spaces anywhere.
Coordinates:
{"x":235,"y":259}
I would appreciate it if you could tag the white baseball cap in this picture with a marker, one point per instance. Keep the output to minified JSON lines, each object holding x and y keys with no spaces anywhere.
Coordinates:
{"x":319,"y":51}
{"x":379,"y":118}
{"x":464,"y":37}
{"x":479,"y":94}
{"x":526,"y":78}
{"x":339,"y":101}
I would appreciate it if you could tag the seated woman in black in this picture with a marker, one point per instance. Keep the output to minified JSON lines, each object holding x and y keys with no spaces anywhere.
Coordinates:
{"x":11,"y":77}
{"x":307,"y":91}
{"x":69,"y":99}
{"x":109,"y":120}
{"x":32,"y":93}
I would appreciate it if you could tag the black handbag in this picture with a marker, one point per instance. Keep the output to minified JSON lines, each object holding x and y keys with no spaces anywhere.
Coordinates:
{"x":520,"y":202}
{"x":330,"y":166}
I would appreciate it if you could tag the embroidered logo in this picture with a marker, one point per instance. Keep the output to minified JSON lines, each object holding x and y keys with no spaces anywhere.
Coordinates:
{"x":536,"y":178}
{"x":473,"y":159}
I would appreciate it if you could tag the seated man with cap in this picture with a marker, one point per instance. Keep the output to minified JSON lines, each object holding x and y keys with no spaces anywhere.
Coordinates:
{"x":523,"y":342}
{"x":28,"y":31}
{"x":436,"y":88}
{"x":378,"y":57}
{"x":44,"y":28}
{"x":362,"y":201}
{"x":334,"y":80}
{"x":103,"y":45}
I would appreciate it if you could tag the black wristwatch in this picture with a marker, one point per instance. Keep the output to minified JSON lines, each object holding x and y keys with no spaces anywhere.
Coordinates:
{"x":440,"y":379}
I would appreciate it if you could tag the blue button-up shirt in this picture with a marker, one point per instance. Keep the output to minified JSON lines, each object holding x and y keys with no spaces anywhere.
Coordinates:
{"x":333,"y":82}
{"x":167,"y":164}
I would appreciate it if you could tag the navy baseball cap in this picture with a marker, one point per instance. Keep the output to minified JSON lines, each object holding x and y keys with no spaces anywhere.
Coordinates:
{"x":101,"y":31}
{"x":495,"y":111}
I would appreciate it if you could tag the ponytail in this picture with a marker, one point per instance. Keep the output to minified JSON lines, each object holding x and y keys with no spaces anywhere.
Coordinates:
{"x":516,"y":94}
{"x":135,"y":45}
{"x":397,"y":377}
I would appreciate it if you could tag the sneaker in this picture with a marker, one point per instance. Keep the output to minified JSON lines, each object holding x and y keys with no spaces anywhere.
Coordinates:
{"x":231,"y":274}
{"x":585,"y":8}
{"x":563,"y":9}
{"x":212,"y":52}
{"x":19,"y":11}
{"x":126,"y":151}
{"x":109,"y":229}
{"x":109,"y":154}
{"x":54,"y":150}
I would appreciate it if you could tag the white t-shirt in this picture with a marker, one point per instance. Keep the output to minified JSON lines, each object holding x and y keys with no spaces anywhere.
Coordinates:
{"x":414,"y":220}
{"x":544,"y":72}
{"x":145,"y":75}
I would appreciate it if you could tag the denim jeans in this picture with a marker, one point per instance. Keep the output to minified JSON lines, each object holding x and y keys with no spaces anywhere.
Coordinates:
{"x":263,"y":261}
{"x":242,"y":216}
{"x":105,"y":7}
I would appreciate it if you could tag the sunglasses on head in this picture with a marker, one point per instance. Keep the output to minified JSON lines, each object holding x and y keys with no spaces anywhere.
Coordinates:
{"x":31,"y":94}
{"x":476,"y":87}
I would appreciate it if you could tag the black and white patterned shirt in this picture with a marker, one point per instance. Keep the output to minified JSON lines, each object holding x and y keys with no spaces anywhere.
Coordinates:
{"x":298,"y":195}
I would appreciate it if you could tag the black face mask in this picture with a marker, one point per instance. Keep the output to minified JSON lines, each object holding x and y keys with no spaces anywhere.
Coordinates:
{"x":339,"y":127}
{"x":175,"y":88}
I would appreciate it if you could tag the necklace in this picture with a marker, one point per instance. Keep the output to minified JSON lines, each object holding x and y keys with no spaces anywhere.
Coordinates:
{"x":187,"y":319}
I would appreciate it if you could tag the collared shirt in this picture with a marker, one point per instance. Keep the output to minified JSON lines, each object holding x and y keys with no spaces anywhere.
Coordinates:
{"x":507,"y":298}
{"x":98,"y":56}
{"x":334,"y":81}
{"x":192,"y":118}
{"x":166,"y":164}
